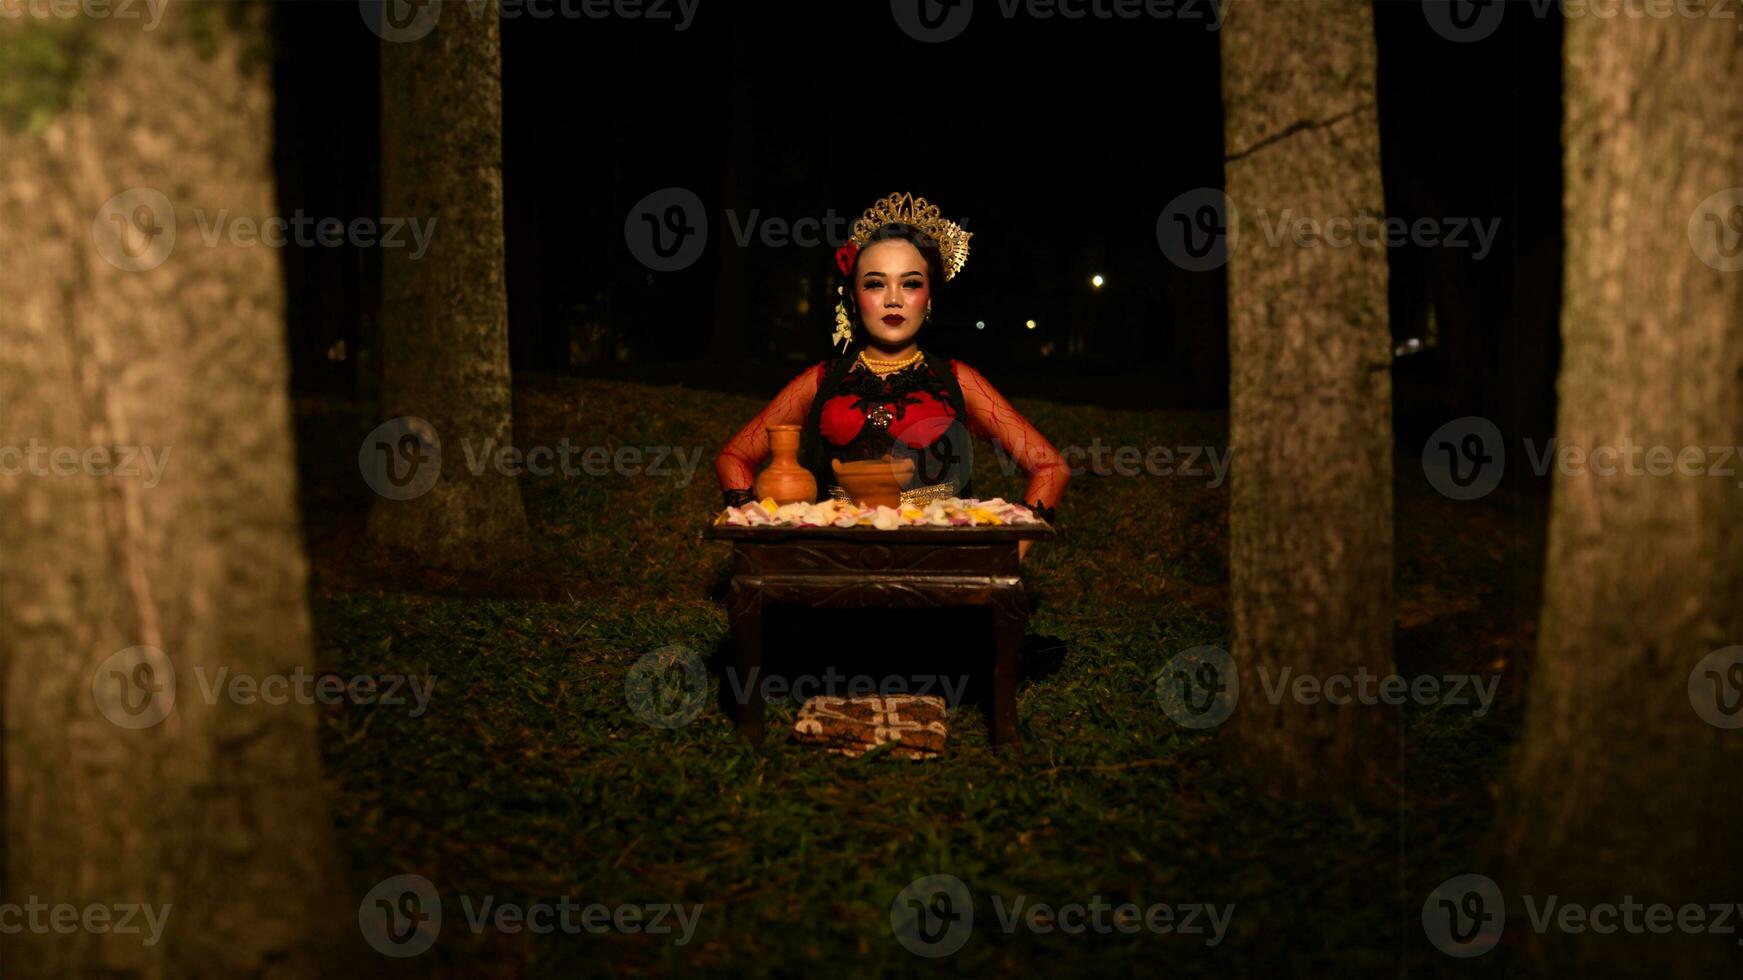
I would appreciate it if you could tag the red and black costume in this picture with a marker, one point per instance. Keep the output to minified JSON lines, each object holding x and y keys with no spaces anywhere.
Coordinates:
{"x":925,"y":412}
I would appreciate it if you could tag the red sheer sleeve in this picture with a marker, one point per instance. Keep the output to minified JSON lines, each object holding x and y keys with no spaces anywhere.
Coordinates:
{"x":991,"y":416}
{"x":736,"y":466}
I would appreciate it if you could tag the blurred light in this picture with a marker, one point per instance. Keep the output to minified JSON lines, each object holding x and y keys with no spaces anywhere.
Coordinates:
{"x":1096,"y":281}
{"x":1029,"y":323}
{"x":980,"y":324}
{"x":1410,"y":346}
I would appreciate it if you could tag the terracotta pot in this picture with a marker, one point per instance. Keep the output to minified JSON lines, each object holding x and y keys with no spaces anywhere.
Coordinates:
{"x":874,"y":482}
{"x":784,"y":479}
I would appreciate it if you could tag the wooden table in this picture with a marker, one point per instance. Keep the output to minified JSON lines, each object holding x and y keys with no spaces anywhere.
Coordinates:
{"x":858,"y":567}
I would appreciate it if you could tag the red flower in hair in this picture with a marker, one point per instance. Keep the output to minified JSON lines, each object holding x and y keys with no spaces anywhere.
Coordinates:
{"x":844,"y":257}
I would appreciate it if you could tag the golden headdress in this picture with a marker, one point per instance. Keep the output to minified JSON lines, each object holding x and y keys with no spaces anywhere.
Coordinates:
{"x":910,"y":210}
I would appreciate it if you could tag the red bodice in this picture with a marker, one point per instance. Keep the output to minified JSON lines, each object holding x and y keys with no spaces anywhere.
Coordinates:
{"x":921,"y":420}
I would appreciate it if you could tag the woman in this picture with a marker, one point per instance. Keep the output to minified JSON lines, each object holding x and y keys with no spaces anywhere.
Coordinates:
{"x":884,"y":395}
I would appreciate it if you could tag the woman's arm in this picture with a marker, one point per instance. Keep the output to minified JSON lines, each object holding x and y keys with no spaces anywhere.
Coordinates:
{"x":991,"y":416}
{"x":736,"y":466}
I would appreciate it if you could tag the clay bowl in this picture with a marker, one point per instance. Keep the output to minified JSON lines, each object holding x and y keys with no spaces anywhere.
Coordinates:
{"x":874,"y":482}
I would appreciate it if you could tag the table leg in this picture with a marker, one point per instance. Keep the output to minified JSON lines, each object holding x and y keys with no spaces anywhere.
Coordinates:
{"x":747,"y":641}
{"x":1008,"y":626}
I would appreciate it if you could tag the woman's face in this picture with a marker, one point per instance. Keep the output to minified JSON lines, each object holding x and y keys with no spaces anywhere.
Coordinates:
{"x":893,"y":290}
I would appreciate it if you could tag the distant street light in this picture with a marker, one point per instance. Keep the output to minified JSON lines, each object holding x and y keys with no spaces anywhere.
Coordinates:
{"x":1096,"y":281}
{"x":980,"y":324}
{"x":1029,"y":323}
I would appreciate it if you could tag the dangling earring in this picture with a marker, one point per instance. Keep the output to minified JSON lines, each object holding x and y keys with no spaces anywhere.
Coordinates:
{"x":843,"y":326}
{"x":928,"y":318}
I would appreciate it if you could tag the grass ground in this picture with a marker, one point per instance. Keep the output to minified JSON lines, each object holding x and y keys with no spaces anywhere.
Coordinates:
{"x":530,"y":779}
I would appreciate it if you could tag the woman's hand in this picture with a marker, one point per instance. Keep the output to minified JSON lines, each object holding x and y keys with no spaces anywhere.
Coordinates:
{"x":1023,"y":550}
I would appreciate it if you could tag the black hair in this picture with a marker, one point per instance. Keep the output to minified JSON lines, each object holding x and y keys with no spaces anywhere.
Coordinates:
{"x":899,"y":231}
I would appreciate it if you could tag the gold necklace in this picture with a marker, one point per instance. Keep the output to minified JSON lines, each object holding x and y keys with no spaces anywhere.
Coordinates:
{"x":881,"y":367}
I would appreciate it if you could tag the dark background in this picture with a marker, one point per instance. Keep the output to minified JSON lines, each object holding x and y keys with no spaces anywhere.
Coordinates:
{"x":1057,"y":143}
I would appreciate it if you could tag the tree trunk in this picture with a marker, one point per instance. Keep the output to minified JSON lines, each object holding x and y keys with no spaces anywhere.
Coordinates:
{"x":1310,"y":387}
{"x":444,"y":316}
{"x":1625,"y":782}
{"x":115,"y":334}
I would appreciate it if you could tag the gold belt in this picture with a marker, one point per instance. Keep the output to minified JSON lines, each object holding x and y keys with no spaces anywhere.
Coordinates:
{"x":918,"y":495}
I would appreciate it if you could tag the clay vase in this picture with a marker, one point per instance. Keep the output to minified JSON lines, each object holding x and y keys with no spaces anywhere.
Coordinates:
{"x":874,"y":482}
{"x":784,"y":479}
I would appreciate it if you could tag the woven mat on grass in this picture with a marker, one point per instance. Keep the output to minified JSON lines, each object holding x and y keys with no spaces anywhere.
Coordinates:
{"x":854,"y":726}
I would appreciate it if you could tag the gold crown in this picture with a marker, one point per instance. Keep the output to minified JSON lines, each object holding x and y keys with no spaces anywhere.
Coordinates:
{"x":910,"y":210}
